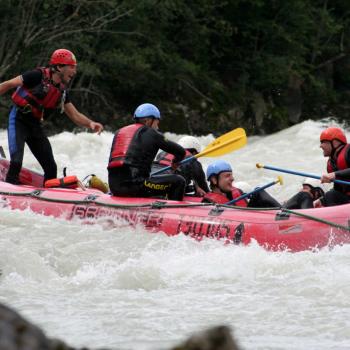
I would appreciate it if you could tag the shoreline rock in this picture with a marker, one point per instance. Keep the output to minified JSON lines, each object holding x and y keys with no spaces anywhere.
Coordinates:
{"x":17,"y":333}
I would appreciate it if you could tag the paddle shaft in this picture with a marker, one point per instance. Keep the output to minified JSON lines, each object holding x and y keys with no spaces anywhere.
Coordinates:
{"x":258,"y":189}
{"x":186,"y":160}
{"x":302,"y":174}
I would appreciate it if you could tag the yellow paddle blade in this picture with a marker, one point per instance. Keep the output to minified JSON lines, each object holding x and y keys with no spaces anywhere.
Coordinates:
{"x":224,"y":144}
{"x":280,"y":180}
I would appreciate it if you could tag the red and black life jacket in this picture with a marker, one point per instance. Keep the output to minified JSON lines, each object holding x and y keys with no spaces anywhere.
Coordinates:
{"x":44,"y":96}
{"x":340,"y":163}
{"x":166,"y":159}
{"x":222,"y":199}
{"x":121,"y":143}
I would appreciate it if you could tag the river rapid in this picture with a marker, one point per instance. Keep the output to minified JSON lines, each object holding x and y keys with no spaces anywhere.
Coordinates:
{"x":123,"y":288}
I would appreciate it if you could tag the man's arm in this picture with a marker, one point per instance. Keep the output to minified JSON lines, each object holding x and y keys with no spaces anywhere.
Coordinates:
{"x":80,"y":119}
{"x":199,"y":176}
{"x":171,"y":147}
{"x":10,"y":84}
{"x":342,"y":173}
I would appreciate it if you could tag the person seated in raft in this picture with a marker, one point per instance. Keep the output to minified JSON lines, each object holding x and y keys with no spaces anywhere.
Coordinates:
{"x":219,"y":175}
{"x":311,"y":190}
{"x":334,"y":145}
{"x":192,"y":171}
{"x":132,"y":153}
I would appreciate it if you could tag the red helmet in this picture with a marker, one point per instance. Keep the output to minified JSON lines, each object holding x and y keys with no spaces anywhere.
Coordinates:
{"x":63,"y":56}
{"x":333,"y":133}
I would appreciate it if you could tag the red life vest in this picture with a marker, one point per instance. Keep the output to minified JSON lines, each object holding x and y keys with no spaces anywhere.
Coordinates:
{"x":236,"y":192}
{"x":167,"y":158}
{"x":121,"y":143}
{"x":341,"y":162}
{"x":35,"y":100}
{"x":222,"y":199}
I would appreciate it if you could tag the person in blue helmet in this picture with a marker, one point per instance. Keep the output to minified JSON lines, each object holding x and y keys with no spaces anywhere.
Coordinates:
{"x":133,"y":150}
{"x":223,"y":190}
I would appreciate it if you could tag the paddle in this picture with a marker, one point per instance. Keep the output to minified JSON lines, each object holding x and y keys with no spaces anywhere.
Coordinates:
{"x":258,"y":189}
{"x":259,"y":166}
{"x":226,"y":143}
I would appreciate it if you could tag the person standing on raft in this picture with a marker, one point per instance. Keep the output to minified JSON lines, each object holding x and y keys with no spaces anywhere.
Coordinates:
{"x":39,"y":92}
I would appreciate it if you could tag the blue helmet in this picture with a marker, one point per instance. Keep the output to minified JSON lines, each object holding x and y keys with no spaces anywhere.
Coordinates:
{"x":218,"y":167}
{"x":147,"y":110}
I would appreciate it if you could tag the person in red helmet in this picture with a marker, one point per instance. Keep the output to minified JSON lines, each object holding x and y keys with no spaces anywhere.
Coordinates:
{"x":39,"y":92}
{"x":334,"y":145}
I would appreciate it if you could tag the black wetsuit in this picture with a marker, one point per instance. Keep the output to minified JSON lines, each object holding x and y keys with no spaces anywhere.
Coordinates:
{"x":337,"y":194}
{"x":301,"y":200}
{"x":24,"y":128}
{"x":132,"y":179}
{"x":262,"y":199}
{"x":192,"y":171}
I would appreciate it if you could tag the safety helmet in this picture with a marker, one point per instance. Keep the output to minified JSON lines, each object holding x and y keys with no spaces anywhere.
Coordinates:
{"x":217,"y":167}
{"x":147,"y":110}
{"x":245,"y":187}
{"x":333,"y":133}
{"x":190,"y":142}
{"x":314,"y":183}
{"x":63,"y":56}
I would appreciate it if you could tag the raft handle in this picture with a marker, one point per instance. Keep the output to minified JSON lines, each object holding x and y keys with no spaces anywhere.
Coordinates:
{"x":36,"y":193}
{"x":216,"y":211}
{"x":282,"y":215}
{"x":158,"y":205}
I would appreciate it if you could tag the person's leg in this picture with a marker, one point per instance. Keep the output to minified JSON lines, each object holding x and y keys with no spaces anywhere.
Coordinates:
{"x":262,"y":199}
{"x":17,"y":134}
{"x":332,"y":198}
{"x":170,"y":185}
{"x":122,"y":182}
{"x":301,"y":200}
{"x":40,"y":146}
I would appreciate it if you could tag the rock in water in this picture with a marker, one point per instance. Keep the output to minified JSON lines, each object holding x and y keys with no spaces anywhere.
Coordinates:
{"x":216,"y":338}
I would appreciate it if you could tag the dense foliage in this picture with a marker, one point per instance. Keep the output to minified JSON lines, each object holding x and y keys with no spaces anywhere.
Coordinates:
{"x":211,"y":65}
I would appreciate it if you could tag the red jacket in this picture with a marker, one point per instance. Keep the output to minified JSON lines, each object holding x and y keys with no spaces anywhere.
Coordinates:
{"x":222,"y":199}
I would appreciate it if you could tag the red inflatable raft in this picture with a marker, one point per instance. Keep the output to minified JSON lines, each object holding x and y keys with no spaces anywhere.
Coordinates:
{"x":273,"y":229}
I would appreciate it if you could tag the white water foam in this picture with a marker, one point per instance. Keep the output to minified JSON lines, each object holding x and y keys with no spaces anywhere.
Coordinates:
{"x":124,"y":288}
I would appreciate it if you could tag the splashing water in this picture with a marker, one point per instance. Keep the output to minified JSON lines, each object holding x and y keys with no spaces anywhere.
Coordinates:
{"x":126,"y":288}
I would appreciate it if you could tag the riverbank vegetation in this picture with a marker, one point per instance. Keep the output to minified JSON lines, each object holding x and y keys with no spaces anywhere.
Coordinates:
{"x":210,"y":65}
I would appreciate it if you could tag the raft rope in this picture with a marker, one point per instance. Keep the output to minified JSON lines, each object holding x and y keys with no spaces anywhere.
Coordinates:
{"x":306,"y":216}
{"x":92,"y":199}
{"x":314,"y":218}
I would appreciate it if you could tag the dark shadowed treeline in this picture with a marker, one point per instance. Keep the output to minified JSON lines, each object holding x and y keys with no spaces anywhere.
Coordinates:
{"x":211,"y":65}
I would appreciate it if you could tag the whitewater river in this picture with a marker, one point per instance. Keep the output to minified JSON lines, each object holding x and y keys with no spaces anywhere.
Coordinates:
{"x":130,"y":289}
